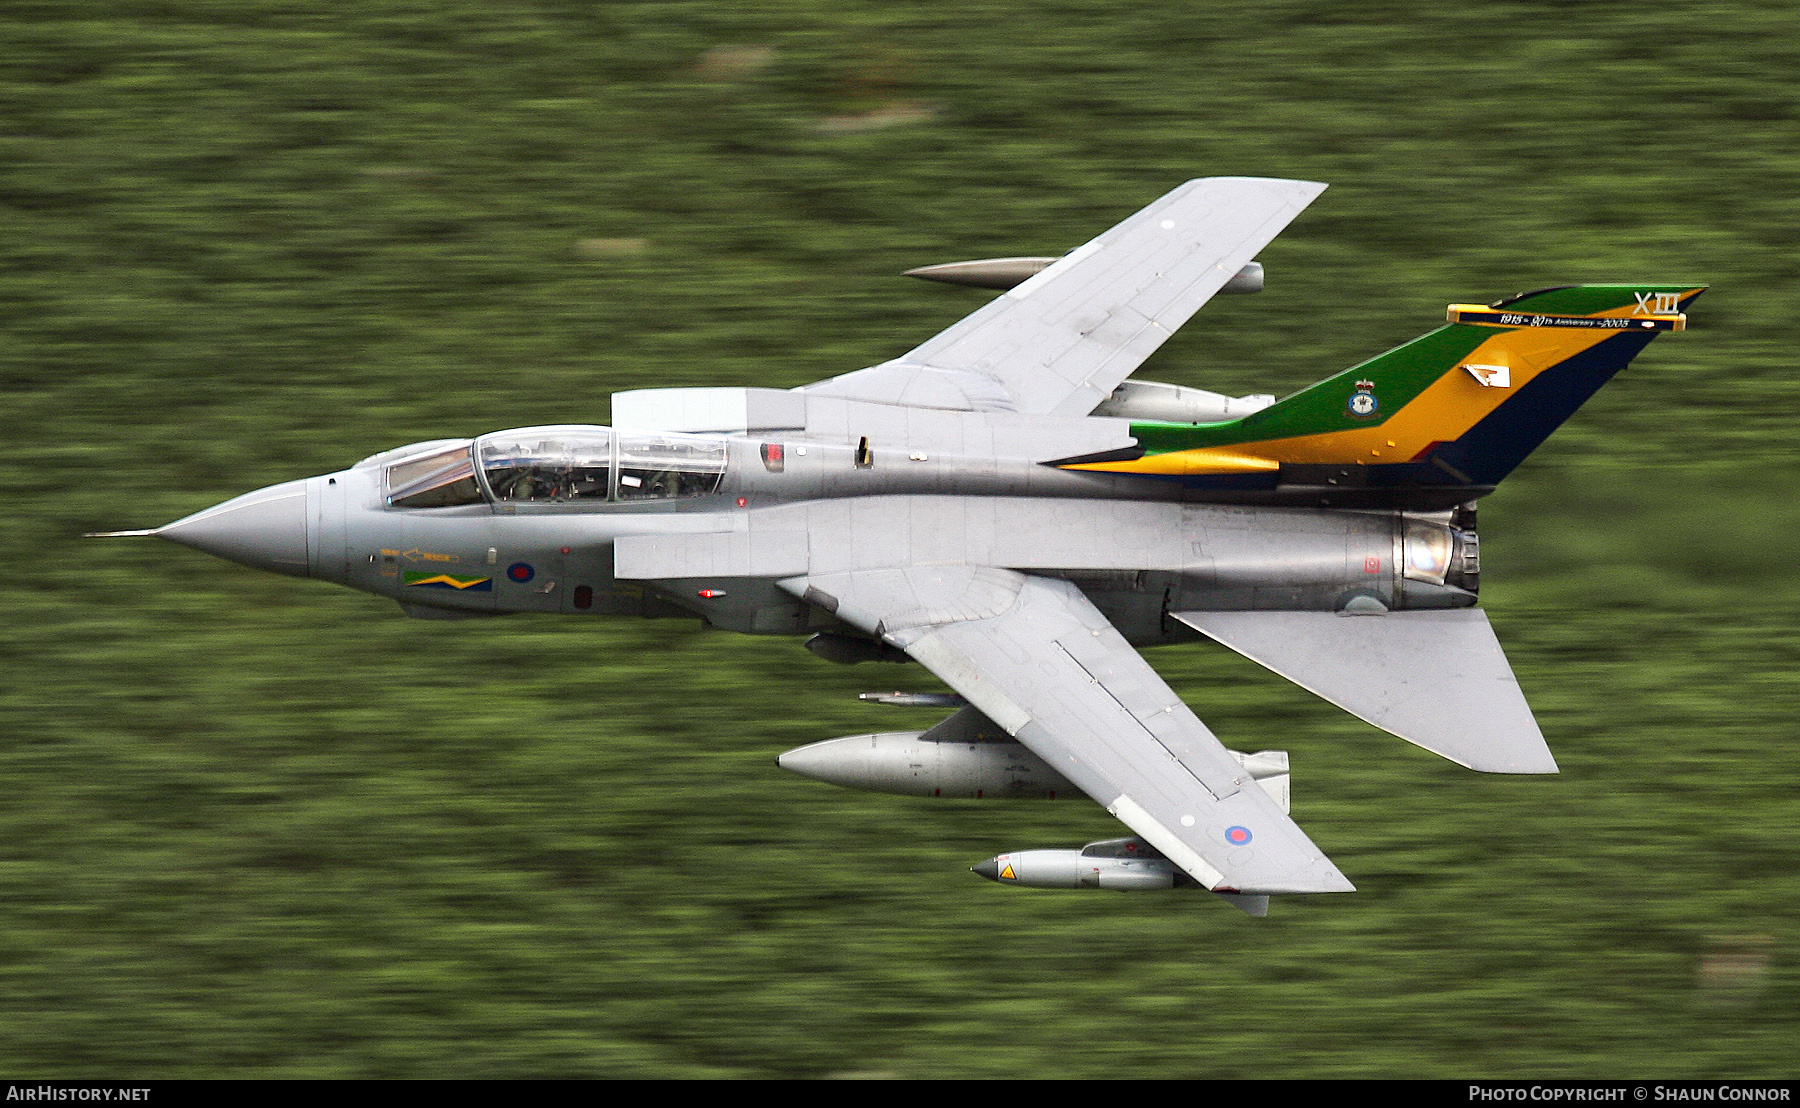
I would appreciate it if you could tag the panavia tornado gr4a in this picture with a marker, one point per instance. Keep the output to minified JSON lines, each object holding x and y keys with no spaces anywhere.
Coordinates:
{"x":1003,"y":506}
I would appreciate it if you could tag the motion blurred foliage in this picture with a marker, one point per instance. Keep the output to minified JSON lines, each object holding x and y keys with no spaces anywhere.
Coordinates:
{"x":259,"y":827}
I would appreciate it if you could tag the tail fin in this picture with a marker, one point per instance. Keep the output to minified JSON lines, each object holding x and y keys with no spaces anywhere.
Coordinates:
{"x":1460,"y":406}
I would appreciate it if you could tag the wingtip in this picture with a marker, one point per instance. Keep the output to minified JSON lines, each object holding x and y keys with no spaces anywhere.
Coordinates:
{"x":1333,"y":882}
{"x":1528,"y":764}
{"x":1316,"y":186}
{"x":147,"y":532}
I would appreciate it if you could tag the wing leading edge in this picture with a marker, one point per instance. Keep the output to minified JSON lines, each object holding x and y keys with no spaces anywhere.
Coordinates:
{"x":1059,"y":343}
{"x":1039,"y":660}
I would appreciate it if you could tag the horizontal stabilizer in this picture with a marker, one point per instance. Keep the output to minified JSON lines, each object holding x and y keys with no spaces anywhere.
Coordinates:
{"x":1438,"y":678}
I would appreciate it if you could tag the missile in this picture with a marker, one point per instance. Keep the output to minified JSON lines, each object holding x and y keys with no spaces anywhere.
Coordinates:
{"x":911,"y":763}
{"x":1137,"y":867}
{"x":914,"y":699}
{"x":1006,"y":273}
{"x":967,"y":756}
{"x":1128,"y":865}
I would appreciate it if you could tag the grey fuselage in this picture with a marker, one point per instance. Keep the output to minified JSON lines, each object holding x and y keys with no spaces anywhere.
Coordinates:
{"x":1132,"y":544}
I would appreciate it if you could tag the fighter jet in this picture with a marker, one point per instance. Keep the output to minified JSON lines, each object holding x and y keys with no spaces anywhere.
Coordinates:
{"x":1003,"y":506}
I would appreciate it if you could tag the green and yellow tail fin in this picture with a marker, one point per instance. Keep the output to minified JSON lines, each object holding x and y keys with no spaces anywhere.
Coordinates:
{"x":1462,"y":405}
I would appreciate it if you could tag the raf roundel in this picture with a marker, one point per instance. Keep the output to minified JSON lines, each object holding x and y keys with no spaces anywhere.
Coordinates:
{"x":520,"y":572}
{"x":1238,"y":836}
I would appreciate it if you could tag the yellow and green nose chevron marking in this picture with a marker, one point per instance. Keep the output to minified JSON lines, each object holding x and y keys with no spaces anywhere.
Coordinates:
{"x":1396,"y":406}
{"x":427,"y":579}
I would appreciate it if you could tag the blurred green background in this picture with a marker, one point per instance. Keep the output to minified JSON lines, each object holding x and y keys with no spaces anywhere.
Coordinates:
{"x":258,"y":827}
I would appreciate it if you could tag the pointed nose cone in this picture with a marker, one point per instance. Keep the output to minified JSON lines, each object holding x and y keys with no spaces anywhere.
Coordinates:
{"x":265,"y":529}
{"x":831,"y":761}
{"x":804,"y":760}
{"x":989,"y":869}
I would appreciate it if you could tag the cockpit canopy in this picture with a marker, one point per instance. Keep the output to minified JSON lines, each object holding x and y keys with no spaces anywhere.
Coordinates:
{"x":559,"y":465}
{"x":549,"y":464}
{"x":437,"y":479}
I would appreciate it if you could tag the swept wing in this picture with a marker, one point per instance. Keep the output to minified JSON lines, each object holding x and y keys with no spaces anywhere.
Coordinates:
{"x":1039,"y":660}
{"x":1062,"y":341}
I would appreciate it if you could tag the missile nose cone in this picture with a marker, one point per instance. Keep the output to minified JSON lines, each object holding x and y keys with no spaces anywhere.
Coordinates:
{"x":987,"y":273}
{"x":801,"y":760}
{"x":265,"y":529}
{"x":822,"y":761}
{"x":989,"y":869}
